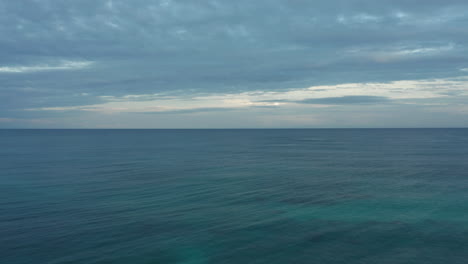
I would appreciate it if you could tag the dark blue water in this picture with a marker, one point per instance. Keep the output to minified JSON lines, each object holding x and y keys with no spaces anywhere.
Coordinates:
{"x":234,"y":196}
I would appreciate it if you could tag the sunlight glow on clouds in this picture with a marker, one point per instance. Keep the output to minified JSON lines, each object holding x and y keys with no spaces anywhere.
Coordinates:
{"x":402,"y":92}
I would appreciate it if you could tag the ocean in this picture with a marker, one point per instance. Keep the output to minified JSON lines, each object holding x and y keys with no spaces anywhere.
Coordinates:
{"x":234,"y":196}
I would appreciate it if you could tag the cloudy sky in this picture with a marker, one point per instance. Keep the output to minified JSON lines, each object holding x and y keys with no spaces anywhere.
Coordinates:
{"x":233,"y":64}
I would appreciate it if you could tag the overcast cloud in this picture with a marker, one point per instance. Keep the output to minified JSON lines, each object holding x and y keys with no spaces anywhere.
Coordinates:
{"x":243,"y":63}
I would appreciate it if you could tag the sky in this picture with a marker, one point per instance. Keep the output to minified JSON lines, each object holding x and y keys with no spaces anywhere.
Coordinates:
{"x":233,"y":64}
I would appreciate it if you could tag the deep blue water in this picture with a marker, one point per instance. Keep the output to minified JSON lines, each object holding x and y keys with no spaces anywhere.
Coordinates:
{"x":234,"y":196}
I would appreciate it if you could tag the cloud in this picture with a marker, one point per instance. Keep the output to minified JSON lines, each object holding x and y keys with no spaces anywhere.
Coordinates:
{"x":99,"y":57}
{"x":358,"y":18}
{"x":195,"y":110}
{"x":344,"y":100}
{"x":62,"y":66}
{"x":403,"y":52}
{"x":421,"y":92}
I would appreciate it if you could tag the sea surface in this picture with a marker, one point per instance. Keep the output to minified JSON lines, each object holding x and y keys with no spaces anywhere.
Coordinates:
{"x":234,"y":196}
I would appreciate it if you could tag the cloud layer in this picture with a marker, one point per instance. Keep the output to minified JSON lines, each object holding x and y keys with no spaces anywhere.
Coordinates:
{"x":289,"y":63}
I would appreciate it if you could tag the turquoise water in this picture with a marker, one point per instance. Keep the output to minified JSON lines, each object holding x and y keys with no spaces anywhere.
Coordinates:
{"x":234,"y":196}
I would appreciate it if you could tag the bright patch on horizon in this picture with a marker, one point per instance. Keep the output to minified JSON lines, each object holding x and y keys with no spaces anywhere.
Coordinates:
{"x":398,"y":91}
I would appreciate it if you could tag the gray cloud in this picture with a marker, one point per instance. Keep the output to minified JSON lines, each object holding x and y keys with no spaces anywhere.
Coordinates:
{"x":195,"y":110}
{"x":344,"y":100}
{"x":189,"y":47}
{"x":341,"y":100}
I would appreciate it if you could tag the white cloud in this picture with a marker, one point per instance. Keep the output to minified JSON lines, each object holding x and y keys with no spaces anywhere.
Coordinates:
{"x":398,"y":90}
{"x":364,"y":18}
{"x":400,"y":15}
{"x":358,"y":19}
{"x":63,"y":65}
{"x":402,"y":52}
